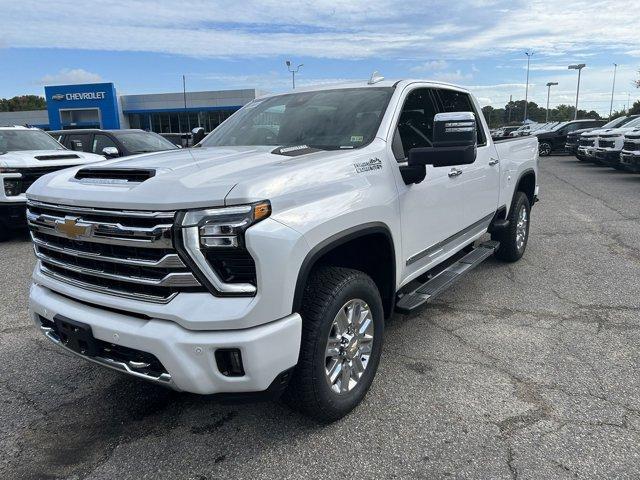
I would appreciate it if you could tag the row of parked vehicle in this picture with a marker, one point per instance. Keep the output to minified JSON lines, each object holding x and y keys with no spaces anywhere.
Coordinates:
{"x":28,"y":153}
{"x":616,"y":144}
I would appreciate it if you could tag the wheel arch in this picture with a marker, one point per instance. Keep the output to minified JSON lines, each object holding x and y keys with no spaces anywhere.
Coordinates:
{"x":527,"y":184}
{"x":375,"y":256}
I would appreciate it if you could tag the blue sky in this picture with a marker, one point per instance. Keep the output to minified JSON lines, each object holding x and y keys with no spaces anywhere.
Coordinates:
{"x":146,"y":46}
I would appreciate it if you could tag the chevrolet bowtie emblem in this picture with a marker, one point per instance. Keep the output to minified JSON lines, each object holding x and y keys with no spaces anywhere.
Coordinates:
{"x":72,"y":228}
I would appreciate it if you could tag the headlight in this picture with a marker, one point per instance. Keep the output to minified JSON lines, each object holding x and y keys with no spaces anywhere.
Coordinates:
{"x":213,"y":240}
{"x":12,"y":185}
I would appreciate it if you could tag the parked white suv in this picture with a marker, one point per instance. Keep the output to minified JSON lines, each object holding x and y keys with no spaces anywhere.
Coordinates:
{"x":268,"y":257}
{"x":609,"y":144}
{"x":25,"y":155}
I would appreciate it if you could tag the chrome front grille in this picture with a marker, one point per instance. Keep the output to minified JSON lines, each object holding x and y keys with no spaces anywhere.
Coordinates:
{"x":631,"y":145}
{"x":124,"y":253}
{"x":587,"y":142}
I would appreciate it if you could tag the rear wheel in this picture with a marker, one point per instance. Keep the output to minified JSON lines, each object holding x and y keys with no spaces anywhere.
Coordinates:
{"x":544,"y":149}
{"x":513,"y":239}
{"x":342,"y":334}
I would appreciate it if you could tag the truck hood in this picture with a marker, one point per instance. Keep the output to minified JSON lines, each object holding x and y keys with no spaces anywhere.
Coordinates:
{"x":577,"y":133}
{"x":186,"y":178}
{"x":614,"y":131}
{"x":46,"y":158}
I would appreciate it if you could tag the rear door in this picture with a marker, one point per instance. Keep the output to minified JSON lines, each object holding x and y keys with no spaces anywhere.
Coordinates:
{"x":479,"y":181}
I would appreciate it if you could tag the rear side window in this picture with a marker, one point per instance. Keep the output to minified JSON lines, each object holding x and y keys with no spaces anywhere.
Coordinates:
{"x":454,"y":101}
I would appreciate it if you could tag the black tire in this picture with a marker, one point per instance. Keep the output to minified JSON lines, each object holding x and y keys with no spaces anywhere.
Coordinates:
{"x":327,"y":291}
{"x":544,"y":149}
{"x":509,"y":251}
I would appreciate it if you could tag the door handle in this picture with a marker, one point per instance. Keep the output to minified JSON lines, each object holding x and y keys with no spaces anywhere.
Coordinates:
{"x":494,"y":161}
{"x":455,"y":172}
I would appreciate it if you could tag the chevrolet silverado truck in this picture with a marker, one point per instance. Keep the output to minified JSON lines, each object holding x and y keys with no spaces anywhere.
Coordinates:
{"x":630,"y":154}
{"x":609,"y":144}
{"x":572,"y":145}
{"x":268,"y":257}
{"x":25,"y":155}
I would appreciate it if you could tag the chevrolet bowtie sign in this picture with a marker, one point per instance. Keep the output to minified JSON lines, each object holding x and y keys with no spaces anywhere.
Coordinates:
{"x":79,"y":96}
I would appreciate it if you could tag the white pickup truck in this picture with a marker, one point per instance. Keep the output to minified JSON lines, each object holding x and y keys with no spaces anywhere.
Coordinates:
{"x":267,"y":258}
{"x":25,"y":155}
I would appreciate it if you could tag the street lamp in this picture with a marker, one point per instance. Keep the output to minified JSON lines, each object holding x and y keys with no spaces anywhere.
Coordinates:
{"x":526,"y":92}
{"x":578,"y":67}
{"x":549,"y":85}
{"x":613,"y":89}
{"x":293,"y":72}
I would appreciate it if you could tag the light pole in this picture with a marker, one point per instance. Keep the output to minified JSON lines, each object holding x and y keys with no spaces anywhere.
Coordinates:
{"x":549,"y":85}
{"x":613,"y":89}
{"x":578,"y":67}
{"x":293,"y":72}
{"x":526,"y":91}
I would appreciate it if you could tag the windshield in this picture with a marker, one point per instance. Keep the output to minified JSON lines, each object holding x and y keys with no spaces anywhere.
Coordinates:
{"x":16,"y":140}
{"x":618,"y":122}
{"x":143,"y":142}
{"x":558,"y":126}
{"x":633,"y":123}
{"x":326,"y":119}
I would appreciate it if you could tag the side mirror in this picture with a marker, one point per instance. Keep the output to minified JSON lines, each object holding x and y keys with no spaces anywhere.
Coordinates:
{"x":110,"y":152}
{"x":454,"y":141}
{"x":76,"y":145}
{"x":197,"y":135}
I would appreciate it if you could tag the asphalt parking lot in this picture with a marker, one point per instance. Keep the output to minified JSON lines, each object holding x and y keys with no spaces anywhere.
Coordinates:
{"x":527,"y":370}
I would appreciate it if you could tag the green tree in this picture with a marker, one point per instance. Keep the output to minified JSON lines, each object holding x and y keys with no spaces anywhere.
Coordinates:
{"x":22,"y":103}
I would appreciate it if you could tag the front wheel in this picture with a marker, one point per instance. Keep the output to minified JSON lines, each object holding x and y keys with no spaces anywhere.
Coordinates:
{"x":342,"y":334}
{"x":513,"y":239}
{"x":544,"y":149}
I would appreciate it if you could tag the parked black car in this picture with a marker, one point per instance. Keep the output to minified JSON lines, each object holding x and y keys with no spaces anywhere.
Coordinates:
{"x":573,"y":138}
{"x":554,"y":140}
{"x":112,"y":143}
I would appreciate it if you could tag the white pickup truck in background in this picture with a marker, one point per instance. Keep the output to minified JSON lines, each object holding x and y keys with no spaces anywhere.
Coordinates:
{"x":25,"y":155}
{"x":267,"y":258}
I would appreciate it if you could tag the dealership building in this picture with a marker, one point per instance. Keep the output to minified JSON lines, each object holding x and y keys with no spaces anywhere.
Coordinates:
{"x":98,"y":105}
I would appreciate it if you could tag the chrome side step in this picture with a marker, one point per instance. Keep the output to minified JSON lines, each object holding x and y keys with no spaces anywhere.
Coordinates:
{"x":412,"y":301}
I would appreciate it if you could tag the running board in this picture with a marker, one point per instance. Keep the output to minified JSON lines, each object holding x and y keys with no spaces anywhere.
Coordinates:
{"x":414,"y":300}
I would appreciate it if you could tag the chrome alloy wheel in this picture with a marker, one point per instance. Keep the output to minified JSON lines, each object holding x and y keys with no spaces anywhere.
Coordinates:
{"x":521,"y":228}
{"x":349,"y":346}
{"x":544,"y":149}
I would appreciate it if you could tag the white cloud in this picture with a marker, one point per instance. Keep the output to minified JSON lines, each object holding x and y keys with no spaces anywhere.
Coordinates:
{"x":324,"y":29}
{"x":70,"y":76}
{"x":430,"y":66}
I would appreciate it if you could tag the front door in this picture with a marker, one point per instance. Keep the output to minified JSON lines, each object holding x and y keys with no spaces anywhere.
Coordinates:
{"x":433,"y":211}
{"x":480,"y":180}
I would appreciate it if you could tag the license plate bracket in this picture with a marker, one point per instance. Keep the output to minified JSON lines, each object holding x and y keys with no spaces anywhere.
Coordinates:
{"x":76,"y":336}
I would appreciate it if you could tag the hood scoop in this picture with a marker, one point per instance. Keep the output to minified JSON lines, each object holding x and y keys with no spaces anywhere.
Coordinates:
{"x":114,"y":175}
{"x":62,"y":156}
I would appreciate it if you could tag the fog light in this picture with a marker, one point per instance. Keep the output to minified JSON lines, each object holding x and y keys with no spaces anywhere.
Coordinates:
{"x":12,"y":187}
{"x":229,"y":362}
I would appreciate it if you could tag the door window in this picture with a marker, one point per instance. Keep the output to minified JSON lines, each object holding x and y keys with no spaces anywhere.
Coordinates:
{"x":100,"y":142}
{"x":78,"y":141}
{"x":415,"y":126}
{"x":455,"y":101}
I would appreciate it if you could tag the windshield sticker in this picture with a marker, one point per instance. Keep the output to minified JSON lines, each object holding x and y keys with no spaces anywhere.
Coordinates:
{"x":357,"y":138}
{"x":372,"y":164}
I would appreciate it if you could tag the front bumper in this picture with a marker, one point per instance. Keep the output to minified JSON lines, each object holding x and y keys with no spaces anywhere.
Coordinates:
{"x":188,"y":356}
{"x":13,"y":214}
{"x":608,"y":157}
{"x":630,"y":161}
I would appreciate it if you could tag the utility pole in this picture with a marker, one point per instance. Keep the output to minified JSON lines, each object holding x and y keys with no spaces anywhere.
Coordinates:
{"x":578,"y":67}
{"x":549,"y":85}
{"x":526,"y":92}
{"x":184,"y":97}
{"x":293,"y":72}
{"x":509,"y":109}
{"x":613,"y":89}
